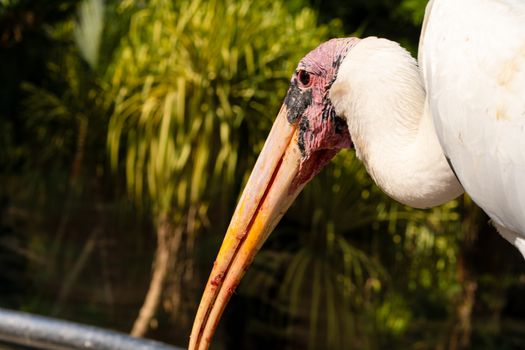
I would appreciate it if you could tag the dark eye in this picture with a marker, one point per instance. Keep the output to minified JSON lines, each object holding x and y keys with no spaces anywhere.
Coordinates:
{"x":304,"y":77}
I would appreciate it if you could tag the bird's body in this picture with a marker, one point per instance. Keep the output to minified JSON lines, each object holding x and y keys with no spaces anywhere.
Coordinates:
{"x":472,"y":56}
{"x":468,"y":92}
{"x":424,"y":131}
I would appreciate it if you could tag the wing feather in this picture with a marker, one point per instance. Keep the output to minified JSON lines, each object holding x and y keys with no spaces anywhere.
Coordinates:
{"x":472,"y":56}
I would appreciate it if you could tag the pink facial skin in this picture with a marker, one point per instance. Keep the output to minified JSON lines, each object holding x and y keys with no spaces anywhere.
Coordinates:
{"x":321,"y":132}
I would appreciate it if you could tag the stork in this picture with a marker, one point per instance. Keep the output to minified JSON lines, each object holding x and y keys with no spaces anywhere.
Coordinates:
{"x":425,"y":133}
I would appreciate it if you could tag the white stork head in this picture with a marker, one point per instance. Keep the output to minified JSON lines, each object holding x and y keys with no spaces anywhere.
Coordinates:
{"x":334,"y":102}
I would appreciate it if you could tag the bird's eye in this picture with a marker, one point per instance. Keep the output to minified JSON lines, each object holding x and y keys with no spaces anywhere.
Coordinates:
{"x":304,"y":78}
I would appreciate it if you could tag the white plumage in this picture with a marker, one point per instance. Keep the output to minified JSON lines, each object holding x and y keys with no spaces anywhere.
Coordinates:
{"x":380,"y":92}
{"x":469,"y":90}
{"x":473,"y":60}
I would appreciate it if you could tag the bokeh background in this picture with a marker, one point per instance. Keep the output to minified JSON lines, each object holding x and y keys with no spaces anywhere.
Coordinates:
{"x":127,"y":131}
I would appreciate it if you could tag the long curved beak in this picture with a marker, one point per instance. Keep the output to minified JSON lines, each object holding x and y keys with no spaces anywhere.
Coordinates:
{"x":267,"y":196}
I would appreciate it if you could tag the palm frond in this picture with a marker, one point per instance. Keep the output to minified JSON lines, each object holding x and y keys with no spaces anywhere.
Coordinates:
{"x":88,"y":31}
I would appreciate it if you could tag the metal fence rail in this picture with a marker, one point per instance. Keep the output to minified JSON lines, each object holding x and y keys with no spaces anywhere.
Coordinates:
{"x":38,"y":332}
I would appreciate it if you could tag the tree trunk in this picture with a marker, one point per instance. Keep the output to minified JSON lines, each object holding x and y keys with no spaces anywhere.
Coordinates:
{"x":462,"y":331}
{"x":168,"y":243}
{"x":74,"y":175}
{"x":74,"y":273}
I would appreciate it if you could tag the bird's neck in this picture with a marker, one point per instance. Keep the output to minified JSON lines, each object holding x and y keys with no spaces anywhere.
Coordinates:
{"x":379,"y":90}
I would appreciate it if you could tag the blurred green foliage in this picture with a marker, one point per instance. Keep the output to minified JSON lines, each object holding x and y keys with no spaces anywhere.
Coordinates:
{"x":185,"y":79}
{"x":117,"y":117}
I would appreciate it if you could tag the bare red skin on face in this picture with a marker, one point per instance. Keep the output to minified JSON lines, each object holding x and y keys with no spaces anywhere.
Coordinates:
{"x":322,"y":133}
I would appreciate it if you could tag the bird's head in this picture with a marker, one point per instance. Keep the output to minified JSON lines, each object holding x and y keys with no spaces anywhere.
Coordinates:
{"x":306,"y":135}
{"x":318,"y":131}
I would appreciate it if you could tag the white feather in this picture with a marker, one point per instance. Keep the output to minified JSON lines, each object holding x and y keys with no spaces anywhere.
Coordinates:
{"x":380,"y":92}
{"x":472,"y":58}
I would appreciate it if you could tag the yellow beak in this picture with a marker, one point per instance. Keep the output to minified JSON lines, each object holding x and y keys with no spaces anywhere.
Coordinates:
{"x":270,"y":191}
